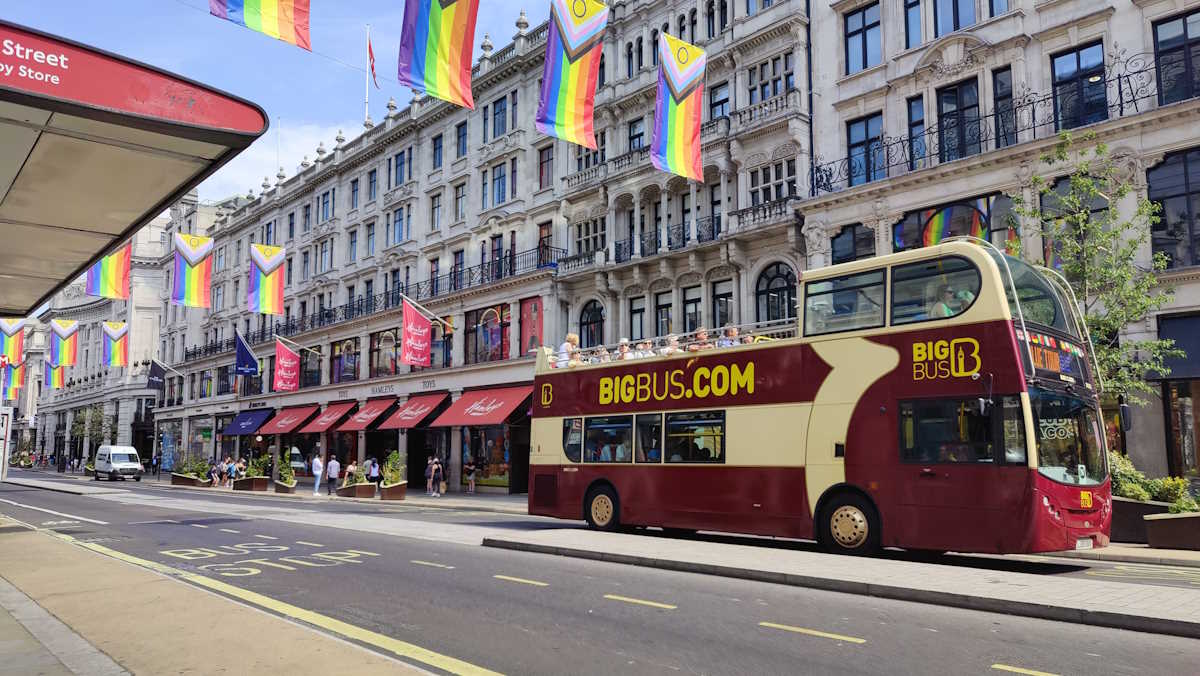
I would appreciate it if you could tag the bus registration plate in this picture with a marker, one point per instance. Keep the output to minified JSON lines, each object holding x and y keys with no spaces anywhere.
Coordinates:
{"x":1083,"y":543}
{"x":1085,"y":499}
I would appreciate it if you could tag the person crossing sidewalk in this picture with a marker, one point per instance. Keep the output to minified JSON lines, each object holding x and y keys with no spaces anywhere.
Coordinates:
{"x":318,"y":470}
{"x":332,"y":470}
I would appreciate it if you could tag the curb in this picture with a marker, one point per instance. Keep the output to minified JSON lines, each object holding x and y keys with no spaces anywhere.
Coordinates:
{"x":1119,"y":558}
{"x":373,"y":501}
{"x":1141,"y":623}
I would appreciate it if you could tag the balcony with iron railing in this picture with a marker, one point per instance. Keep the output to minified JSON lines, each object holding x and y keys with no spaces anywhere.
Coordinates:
{"x":766,"y":213}
{"x":455,"y":281}
{"x":767,"y":111}
{"x":623,"y":250}
{"x":1130,"y":86}
{"x":677,"y":236}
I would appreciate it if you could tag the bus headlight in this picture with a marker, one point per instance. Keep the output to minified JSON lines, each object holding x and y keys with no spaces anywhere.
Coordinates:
{"x":1051,"y":509}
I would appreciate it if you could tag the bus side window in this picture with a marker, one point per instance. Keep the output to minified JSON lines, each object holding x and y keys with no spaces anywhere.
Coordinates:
{"x":573,"y":438}
{"x":609,"y":439}
{"x":696,"y":436}
{"x":847,"y":303}
{"x":945,"y":430}
{"x":935,"y":289}
{"x":1012,"y":423}
{"x":648,"y":441}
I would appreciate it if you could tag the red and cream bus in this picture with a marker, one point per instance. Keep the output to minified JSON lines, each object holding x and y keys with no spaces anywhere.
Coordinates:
{"x":940,"y":399}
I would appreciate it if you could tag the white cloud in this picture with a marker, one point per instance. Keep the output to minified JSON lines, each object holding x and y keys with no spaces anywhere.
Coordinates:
{"x":285,"y":144}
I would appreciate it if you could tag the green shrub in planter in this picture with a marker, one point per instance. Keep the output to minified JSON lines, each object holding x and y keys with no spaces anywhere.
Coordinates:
{"x":1133,"y":492}
{"x":358,"y":477}
{"x":393,"y":469}
{"x":1184,"y":505}
{"x":1171,"y":489}
{"x":258,"y":466}
{"x":287,"y":475}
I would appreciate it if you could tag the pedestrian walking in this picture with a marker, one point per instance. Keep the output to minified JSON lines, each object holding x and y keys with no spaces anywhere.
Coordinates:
{"x":332,"y":471}
{"x":438,"y":478}
{"x":429,"y":475}
{"x":373,"y":472}
{"x":469,"y":470}
{"x":318,"y":469}
{"x":154,"y":464}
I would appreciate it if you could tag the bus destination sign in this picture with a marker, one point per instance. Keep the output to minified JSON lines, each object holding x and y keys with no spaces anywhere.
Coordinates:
{"x":1056,"y":356}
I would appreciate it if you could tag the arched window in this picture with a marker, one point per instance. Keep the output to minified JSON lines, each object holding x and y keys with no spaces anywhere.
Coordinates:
{"x":628,"y":59}
{"x":775,"y":293}
{"x":682,"y":26}
{"x":654,"y":47}
{"x":692,"y":26}
{"x":591,"y":324}
{"x":639,"y":53}
{"x":852,"y":243}
{"x":710,"y":18}
{"x":600,"y":79}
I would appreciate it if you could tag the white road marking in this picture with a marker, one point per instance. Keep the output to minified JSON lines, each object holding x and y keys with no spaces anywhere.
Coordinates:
{"x":229,"y":530}
{"x":51,"y":511}
{"x":143,"y":523}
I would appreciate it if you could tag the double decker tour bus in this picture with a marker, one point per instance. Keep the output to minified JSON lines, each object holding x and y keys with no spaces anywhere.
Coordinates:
{"x":941,"y":399}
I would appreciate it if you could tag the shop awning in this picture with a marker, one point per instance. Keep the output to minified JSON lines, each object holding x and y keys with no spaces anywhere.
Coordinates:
{"x":289,"y":419}
{"x":484,"y":407}
{"x":412,"y":412}
{"x":93,"y":146}
{"x":248,"y":422}
{"x":332,"y":414}
{"x":366,"y":415}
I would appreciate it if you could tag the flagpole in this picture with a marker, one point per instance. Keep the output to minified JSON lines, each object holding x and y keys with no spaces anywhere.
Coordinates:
{"x":425,"y":311}
{"x":167,"y":368}
{"x":298,"y":346}
{"x":367,"y":80}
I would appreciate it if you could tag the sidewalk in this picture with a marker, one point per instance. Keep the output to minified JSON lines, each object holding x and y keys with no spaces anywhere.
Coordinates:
{"x":116,"y":618}
{"x":1165,"y":610}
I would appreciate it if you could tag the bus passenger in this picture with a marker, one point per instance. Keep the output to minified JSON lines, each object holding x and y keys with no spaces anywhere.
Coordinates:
{"x":623,"y":351}
{"x":569,"y":347}
{"x":671,"y":347}
{"x":602,"y":356}
{"x":729,"y":337}
{"x":747,"y":340}
{"x":644,"y":350}
{"x":622,"y":452}
{"x":701,"y":341}
{"x":945,"y":306}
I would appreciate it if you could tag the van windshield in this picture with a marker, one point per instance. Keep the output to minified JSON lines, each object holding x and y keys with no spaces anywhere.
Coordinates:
{"x":125,"y":457}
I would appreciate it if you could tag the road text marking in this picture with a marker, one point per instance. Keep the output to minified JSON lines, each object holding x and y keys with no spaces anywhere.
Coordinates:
{"x":431,"y":564}
{"x":812,"y":632}
{"x":266,"y":537}
{"x":51,"y":511}
{"x":229,"y":530}
{"x":640,"y":602}
{"x":308,"y":544}
{"x":522,"y":580}
{"x":1019,"y":670}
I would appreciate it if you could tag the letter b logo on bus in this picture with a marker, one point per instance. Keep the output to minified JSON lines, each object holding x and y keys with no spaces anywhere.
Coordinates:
{"x":936,"y":359}
{"x":547,"y":395}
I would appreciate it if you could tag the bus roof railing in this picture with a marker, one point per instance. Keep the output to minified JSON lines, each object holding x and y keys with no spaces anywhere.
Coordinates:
{"x":1059,"y":279}
{"x":745,"y":334}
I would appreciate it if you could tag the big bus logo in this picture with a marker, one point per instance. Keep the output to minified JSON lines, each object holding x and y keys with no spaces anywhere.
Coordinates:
{"x":547,"y":395}
{"x":937,"y":359}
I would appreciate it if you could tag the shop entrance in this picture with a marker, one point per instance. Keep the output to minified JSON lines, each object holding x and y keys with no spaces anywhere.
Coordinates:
{"x":421,"y":444}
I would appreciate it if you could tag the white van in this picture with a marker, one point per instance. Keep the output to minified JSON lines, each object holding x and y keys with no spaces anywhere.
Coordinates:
{"x":118,"y":462}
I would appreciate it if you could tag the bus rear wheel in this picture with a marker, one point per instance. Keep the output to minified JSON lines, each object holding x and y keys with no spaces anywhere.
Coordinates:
{"x":850,"y":525}
{"x":601,"y":509}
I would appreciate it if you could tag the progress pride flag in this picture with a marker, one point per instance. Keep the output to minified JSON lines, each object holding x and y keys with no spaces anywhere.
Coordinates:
{"x":417,"y":330}
{"x":287,"y":368}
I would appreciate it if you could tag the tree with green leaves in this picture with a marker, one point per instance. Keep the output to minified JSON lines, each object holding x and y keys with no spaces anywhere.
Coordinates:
{"x":1097,"y":248}
{"x":91,"y":424}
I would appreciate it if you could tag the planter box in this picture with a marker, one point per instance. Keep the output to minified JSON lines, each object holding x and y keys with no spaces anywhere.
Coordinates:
{"x":1174,"y":531}
{"x":186,"y":480}
{"x":357,"y":491}
{"x":281,"y":487}
{"x":1127,"y":524}
{"x":256,"y":483}
{"x":394,"y":491}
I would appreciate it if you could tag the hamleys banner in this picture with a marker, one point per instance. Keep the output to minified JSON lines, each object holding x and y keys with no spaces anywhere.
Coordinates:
{"x":416,"y":337}
{"x":287,"y":368}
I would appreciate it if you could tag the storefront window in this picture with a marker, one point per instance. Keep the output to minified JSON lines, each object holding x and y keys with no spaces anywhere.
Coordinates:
{"x":225,"y":443}
{"x":200,"y":438}
{"x":385,"y":352}
{"x":487,"y":334}
{"x":170,"y":439}
{"x":206,"y":384}
{"x":1184,"y":423}
{"x":489,"y":448}
{"x":310,"y":367}
{"x":343,"y":367}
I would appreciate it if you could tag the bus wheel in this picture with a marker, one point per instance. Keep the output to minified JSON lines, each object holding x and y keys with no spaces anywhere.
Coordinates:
{"x":602,"y":509}
{"x":850,"y":525}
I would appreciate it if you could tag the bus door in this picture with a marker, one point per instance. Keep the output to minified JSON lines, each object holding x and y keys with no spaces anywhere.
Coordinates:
{"x":964,"y":479}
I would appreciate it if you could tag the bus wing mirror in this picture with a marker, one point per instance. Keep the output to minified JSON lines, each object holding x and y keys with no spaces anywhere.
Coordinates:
{"x":1126,"y":422}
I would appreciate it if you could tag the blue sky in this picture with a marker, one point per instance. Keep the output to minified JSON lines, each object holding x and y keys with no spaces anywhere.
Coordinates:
{"x":308,"y":96}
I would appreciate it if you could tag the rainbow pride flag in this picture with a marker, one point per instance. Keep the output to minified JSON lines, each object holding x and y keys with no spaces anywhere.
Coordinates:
{"x":55,"y":377}
{"x":12,"y":340}
{"x":12,"y":378}
{"x":265,"y":290}
{"x":191,"y":284}
{"x":573,"y":50}
{"x":64,"y":341}
{"x":109,"y":277}
{"x":116,"y":344}
{"x":435,"y":48}
{"x":675,"y":144}
{"x":285,"y":20}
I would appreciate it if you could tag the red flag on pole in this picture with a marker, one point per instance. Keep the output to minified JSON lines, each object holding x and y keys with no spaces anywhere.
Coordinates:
{"x":417,"y":330}
{"x":371,"y":59}
{"x":287,"y":368}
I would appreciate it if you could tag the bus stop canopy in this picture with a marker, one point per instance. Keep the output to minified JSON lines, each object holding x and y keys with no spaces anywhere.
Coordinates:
{"x":92,"y":147}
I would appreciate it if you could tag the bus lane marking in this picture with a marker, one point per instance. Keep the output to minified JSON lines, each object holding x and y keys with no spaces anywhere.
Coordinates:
{"x":51,"y":511}
{"x":229,"y":530}
{"x":308,"y":544}
{"x":1019,"y":670}
{"x":812,"y":632}
{"x":640,"y":602}
{"x":255,"y":566}
{"x":197,"y":525}
{"x":431,"y":564}
{"x":522,"y":580}
{"x":265,"y":537}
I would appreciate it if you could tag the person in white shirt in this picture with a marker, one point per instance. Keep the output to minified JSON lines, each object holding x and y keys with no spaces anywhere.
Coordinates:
{"x":318,"y":470}
{"x":332,"y":470}
{"x":569,"y":347}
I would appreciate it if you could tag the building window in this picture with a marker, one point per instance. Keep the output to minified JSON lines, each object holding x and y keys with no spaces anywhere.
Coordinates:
{"x":639,"y":53}
{"x":662,"y":312}
{"x":310,"y":367}
{"x":354,"y":194}
{"x":958,"y":121}
{"x":587,"y":157}
{"x":435,"y":212}
{"x":864,"y":145}
{"x":398,"y":225}
{"x":370,"y":239}
{"x":1175,"y":186}
{"x":487,"y":330}
{"x":600,"y":76}
{"x":483,"y":192}
{"x":637,"y":318}
{"x":654,"y":50}
{"x":916,"y":133}
{"x":291,"y":226}
{"x":628,"y":60}
{"x":306,"y":223}
{"x":1079,"y":88}
{"x":952,"y":15}
{"x":288,"y":281}
{"x":591,"y":235}
{"x":437,"y":151}
{"x":997,"y":7}
{"x":988,"y":217}
{"x":343,"y":367}
{"x":460,"y":136}
{"x":637,"y":133}
{"x":771,"y":78}
{"x":772,"y":182}
{"x":512,"y":183}
{"x":852,"y":243}
{"x":304,"y":267}
{"x":220,"y":262}
{"x":385,"y":353}
{"x":1177,"y":57}
{"x":864,"y":47}
{"x":460,"y":202}
{"x":691,"y":309}
{"x":718,"y":101}
{"x":591,"y":324}
{"x":401,"y":163}
{"x":775,"y":293}
{"x":352,"y":246}
{"x":716,"y":17}
{"x":912,"y":23}
{"x":1006,"y":118}
{"x":499,"y":184}
{"x":545,"y":167}
{"x":722,"y":303}
{"x":270,"y":230}
{"x":500,"y":117}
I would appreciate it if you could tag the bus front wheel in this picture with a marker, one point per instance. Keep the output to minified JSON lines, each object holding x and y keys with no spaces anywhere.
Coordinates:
{"x":850,"y":525}
{"x":601,"y":509}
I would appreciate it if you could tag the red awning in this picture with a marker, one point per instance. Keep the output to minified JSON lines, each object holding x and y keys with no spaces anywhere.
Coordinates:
{"x":366,"y":415}
{"x":412,"y":412}
{"x":484,"y":407}
{"x":288,"y":419}
{"x":332,"y":414}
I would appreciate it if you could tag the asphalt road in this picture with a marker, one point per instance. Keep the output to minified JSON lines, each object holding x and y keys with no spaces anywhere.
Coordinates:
{"x":522,"y":613}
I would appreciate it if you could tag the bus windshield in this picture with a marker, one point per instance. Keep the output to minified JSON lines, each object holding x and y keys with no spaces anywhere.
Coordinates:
{"x":1068,"y":438}
{"x":1041,"y":300}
